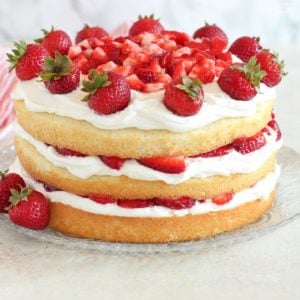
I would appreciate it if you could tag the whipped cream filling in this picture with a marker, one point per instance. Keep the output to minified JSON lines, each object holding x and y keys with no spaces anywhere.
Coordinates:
{"x":261,"y":190}
{"x":146,"y":111}
{"x":232,"y":163}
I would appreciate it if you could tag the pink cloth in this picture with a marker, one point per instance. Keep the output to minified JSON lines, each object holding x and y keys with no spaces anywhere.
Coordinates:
{"x":7,"y":81}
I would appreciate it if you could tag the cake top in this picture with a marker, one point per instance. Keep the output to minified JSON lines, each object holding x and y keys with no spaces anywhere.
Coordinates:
{"x":150,"y":59}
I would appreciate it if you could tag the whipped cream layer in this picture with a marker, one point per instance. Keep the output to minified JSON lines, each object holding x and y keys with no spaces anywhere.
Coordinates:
{"x":231,"y":163}
{"x":261,"y":190}
{"x":146,"y":111}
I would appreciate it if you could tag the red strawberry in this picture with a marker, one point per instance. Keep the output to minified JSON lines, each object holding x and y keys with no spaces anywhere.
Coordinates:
{"x":55,"y":41}
{"x":29,"y":209}
{"x":270,"y":64}
{"x":135,"y":83}
{"x":27,"y":59}
{"x":240,"y":80}
{"x":9,"y":181}
{"x":90,"y":32}
{"x":184,"y":99}
{"x":146,"y":75}
{"x":172,"y":165}
{"x":109,"y":92}
{"x":146,"y":24}
{"x":113,"y":53}
{"x":273,"y":124}
{"x":217,"y":152}
{"x":211,"y":31}
{"x":102,"y":199}
{"x":113,"y":161}
{"x":222,"y":199}
{"x":245,"y":47}
{"x":180,"y":38}
{"x":59,"y":76}
{"x":179,"y":203}
{"x":204,"y":72}
{"x":69,"y":152}
{"x":245,"y":145}
{"x":135,"y":203}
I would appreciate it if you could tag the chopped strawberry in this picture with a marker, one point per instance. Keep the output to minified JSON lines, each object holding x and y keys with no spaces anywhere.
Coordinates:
{"x":99,"y":55}
{"x":182,"y":51}
{"x":102,"y":199}
{"x":205,"y":73}
{"x":69,"y":152}
{"x":92,"y":42}
{"x":135,"y":83}
{"x":135,"y":203}
{"x":222,"y":199}
{"x":113,"y":53}
{"x":74,"y":51}
{"x":172,"y":165}
{"x":165,"y":59}
{"x":124,"y":70}
{"x":167,"y":45}
{"x":146,"y":75}
{"x":81,"y":62}
{"x":176,"y":71}
{"x":154,"y":50}
{"x":180,"y":38}
{"x":217,"y":152}
{"x":153,"y":87}
{"x":245,"y":145}
{"x":274,"y":125}
{"x":178,"y":203}
{"x":163,"y":78}
{"x":113,"y":161}
{"x":85,"y":44}
{"x":109,"y":66}
{"x":130,"y":47}
{"x":199,"y":45}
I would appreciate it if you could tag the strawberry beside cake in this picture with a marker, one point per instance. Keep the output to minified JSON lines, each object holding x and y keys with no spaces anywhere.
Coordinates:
{"x":152,"y":137}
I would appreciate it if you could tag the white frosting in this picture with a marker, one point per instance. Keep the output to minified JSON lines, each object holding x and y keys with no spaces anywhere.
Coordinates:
{"x":261,"y":190}
{"x":84,"y":167}
{"x":146,"y":111}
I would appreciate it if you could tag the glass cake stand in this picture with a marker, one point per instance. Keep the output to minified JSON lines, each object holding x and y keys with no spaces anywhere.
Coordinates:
{"x":285,"y":209}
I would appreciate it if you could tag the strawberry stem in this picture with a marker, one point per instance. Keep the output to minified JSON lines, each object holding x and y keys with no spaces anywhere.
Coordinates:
{"x":97,"y":81}
{"x":3,"y":173}
{"x":55,"y":68}
{"x":17,"y":197}
{"x":191,"y":86}
{"x":16,"y":54}
{"x":45,"y":32}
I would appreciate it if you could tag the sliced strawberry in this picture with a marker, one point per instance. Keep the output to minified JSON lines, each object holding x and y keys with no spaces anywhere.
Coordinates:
{"x":135,"y":83}
{"x":109,"y":66}
{"x":69,"y":152}
{"x":167,"y":45}
{"x":135,"y":203}
{"x":99,"y":55}
{"x":205,"y":73}
{"x":182,"y":51}
{"x":113,"y":53}
{"x":176,"y":71}
{"x":113,"y":161}
{"x":163,"y":78}
{"x":172,"y":165}
{"x":274,"y":125}
{"x":146,"y":75}
{"x":102,"y":199}
{"x":199,"y":45}
{"x":179,"y":203}
{"x":74,"y":51}
{"x":222,"y":199}
{"x":153,"y":87}
{"x":124,"y":70}
{"x":165,"y":59}
{"x":217,"y":152}
{"x":180,"y":38}
{"x":253,"y":143}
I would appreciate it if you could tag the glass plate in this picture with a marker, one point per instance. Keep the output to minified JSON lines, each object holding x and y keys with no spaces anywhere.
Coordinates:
{"x":285,"y":209}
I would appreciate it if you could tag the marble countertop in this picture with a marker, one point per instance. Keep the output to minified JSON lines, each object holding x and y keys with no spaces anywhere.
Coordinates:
{"x":267,"y":267}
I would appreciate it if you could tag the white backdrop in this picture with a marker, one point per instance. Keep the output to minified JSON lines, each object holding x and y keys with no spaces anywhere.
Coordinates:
{"x":276,"y":21}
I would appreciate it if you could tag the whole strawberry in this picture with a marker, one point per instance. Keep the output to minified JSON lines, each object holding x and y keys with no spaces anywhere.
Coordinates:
{"x":55,"y":41}
{"x":108,"y":92}
{"x":184,"y":99}
{"x":59,"y":76}
{"x":9,"y":181}
{"x":211,"y":31}
{"x":245,"y":47}
{"x":241,"y":80}
{"x":27,"y":59}
{"x":272,"y":66}
{"x":146,"y":24}
{"x":29,"y":209}
{"x":88,"y":32}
